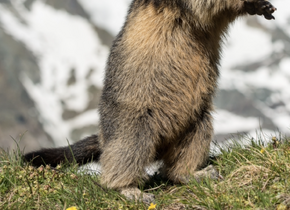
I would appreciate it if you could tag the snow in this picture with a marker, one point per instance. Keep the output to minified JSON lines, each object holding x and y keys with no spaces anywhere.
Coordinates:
{"x":90,"y":168}
{"x":227,"y":122}
{"x":245,"y":44}
{"x":61,"y":42}
{"x":108,"y":14}
{"x":285,"y":67}
{"x":264,"y":137}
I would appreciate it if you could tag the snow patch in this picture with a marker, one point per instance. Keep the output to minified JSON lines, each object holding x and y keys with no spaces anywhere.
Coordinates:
{"x":227,"y":122}
{"x":285,"y":66}
{"x":263,"y":137}
{"x":64,"y":45}
{"x":245,"y":44}
{"x":108,"y":14}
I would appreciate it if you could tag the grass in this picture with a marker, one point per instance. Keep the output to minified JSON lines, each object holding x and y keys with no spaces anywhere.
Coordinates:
{"x":255,"y":177}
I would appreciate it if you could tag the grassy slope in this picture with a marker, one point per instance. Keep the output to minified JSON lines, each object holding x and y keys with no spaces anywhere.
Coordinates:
{"x":256,"y":177}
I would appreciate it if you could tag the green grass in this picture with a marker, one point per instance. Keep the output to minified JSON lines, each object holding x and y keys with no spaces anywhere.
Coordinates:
{"x":255,"y":177}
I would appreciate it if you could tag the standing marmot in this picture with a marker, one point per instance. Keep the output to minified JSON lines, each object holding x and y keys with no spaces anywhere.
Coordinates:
{"x":157,"y":100}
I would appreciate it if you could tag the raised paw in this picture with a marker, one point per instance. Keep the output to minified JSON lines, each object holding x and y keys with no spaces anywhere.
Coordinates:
{"x":260,"y":7}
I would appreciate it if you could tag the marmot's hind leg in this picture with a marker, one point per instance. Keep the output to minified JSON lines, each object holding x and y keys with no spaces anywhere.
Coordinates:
{"x":184,"y":161}
{"x":125,"y":158}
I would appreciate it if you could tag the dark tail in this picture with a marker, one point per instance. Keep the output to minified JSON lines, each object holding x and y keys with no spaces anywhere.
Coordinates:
{"x":82,"y":152}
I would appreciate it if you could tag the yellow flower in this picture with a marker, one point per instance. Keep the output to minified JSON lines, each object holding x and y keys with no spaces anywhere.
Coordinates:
{"x":262,"y":150}
{"x":152,"y":206}
{"x":72,"y":208}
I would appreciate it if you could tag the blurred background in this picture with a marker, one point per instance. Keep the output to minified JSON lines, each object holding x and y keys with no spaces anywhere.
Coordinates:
{"x":53,"y":55}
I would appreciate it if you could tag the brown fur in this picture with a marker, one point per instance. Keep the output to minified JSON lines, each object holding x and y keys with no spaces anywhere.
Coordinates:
{"x":160,"y":82}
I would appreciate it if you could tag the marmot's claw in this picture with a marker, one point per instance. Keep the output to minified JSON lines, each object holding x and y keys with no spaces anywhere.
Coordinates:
{"x":260,"y":7}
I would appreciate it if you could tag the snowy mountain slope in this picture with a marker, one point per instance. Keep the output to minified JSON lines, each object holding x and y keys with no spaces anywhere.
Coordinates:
{"x":65,"y":46}
{"x":255,"y":71}
{"x":256,"y":63}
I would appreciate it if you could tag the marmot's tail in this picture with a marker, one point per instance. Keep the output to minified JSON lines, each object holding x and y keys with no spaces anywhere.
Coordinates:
{"x":82,"y":152}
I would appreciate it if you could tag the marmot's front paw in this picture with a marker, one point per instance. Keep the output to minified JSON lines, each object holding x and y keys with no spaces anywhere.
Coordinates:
{"x":260,"y":7}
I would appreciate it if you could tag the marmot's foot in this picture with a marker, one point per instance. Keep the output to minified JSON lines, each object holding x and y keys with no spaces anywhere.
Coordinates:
{"x":210,"y":172}
{"x":135,"y":194}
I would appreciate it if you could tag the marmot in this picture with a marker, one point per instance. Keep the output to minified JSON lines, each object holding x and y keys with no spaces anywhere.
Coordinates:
{"x":157,"y":99}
